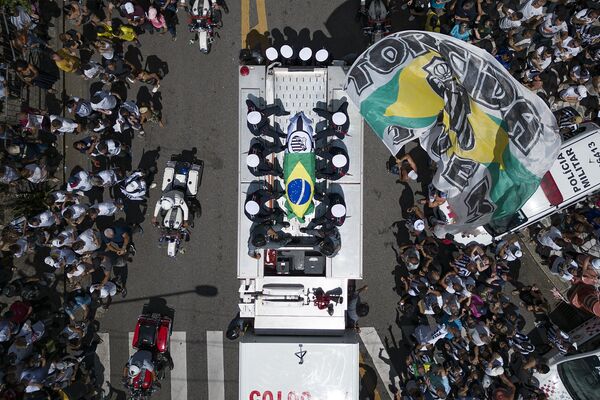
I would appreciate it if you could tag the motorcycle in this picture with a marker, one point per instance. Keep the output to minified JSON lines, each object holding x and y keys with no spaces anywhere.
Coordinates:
{"x":376,"y":19}
{"x":205,"y":18}
{"x":152,"y":334}
{"x":180,"y":179}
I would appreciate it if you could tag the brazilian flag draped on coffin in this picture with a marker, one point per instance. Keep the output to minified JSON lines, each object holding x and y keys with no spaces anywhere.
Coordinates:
{"x":492,"y":139}
{"x":299,"y":167}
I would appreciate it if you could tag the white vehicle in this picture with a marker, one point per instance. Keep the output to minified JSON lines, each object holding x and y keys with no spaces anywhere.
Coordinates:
{"x":299,"y":348}
{"x":574,"y":176}
{"x":178,"y":200}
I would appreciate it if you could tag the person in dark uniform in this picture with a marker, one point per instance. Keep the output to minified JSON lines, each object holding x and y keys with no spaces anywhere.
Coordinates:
{"x":257,"y":210}
{"x":335,"y":214}
{"x":338,"y":122}
{"x":258,"y":120}
{"x":329,"y":238}
{"x":258,"y":165}
{"x":266,"y":235}
{"x":336,"y":164}
{"x":265,"y":147}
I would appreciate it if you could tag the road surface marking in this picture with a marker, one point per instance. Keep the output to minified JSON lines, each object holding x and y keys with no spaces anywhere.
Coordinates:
{"x":214,"y":365}
{"x":373,"y":344}
{"x":179,"y":372}
{"x":261,"y":27}
{"x":131,"y":349}
{"x":103,"y":352}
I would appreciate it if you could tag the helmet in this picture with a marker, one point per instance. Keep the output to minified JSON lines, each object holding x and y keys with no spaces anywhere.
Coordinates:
{"x":413,"y":175}
{"x":322,"y":55}
{"x":518,"y":253}
{"x":57,"y":242}
{"x":134,"y":370}
{"x":286,"y":51}
{"x":166,"y":203}
{"x":271,"y":54}
{"x":253,"y":160}
{"x":253,"y":117}
{"x":252,"y":207}
{"x":338,"y":210}
{"x":305,"y":53}
{"x":339,"y":160}
{"x":419,"y":225}
{"x":339,"y":118}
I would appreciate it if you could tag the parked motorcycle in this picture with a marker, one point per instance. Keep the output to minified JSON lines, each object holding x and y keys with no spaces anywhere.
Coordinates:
{"x":146,"y":367}
{"x":178,"y":203}
{"x":205,"y":18}
{"x":376,"y":19}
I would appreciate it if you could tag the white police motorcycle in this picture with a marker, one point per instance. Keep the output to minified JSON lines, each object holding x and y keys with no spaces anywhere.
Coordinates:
{"x":206,"y":17}
{"x":177,"y":204}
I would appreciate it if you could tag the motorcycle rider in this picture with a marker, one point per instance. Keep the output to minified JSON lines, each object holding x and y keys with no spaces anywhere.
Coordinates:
{"x":169,"y":200}
{"x":140,"y":360}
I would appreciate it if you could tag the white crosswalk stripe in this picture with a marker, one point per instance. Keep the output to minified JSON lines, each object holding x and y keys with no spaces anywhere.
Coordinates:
{"x":214,"y":361}
{"x":179,"y":372}
{"x":178,"y":350}
{"x":384,"y":368}
{"x":103,"y":352}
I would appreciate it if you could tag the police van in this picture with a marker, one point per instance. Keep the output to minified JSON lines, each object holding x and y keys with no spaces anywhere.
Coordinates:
{"x":294,"y":296}
{"x":574,"y":176}
{"x":575,"y":376}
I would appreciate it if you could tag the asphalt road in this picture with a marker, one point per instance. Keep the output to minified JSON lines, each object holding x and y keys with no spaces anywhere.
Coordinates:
{"x":199,"y":97}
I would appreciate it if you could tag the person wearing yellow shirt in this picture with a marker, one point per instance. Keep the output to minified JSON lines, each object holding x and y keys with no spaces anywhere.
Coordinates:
{"x":124,"y":33}
{"x":65,"y":61}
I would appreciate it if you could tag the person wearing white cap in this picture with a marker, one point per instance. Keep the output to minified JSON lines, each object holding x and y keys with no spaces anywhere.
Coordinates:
{"x":338,"y":122}
{"x":141,"y":359}
{"x":407,"y":168}
{"x":169,"y":200}
{"x":258,"y":119}
{"x":335,"y":214}
{"x":257,"y":210}
{"x":573,"y":94}
{"x":272,"y":54}
{"x":337,"y":163}
{"x":259,"y":166}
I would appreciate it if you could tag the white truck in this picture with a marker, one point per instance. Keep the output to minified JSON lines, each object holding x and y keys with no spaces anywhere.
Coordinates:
{"x":297,"y":349}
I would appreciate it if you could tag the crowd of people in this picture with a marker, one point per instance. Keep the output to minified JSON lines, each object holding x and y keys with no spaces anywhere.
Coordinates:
{"x":78,"y":235}
{"x":569,"y":246}
{"x":464,"y":336}
{"x":550,"y":46}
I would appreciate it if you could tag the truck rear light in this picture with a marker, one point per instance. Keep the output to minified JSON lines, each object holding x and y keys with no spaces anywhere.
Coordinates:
{"x":244,"y":71}
{"x":551,"y":190}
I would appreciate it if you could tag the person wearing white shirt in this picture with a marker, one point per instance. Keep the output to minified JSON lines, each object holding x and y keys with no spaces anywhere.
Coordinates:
{"x":44,"y":220}
{"x":63,"y":125}
{"x":567,"y":49}
{"x":586,"y":16}
{"x":79,"y":182}
{"x":65,"y":238}
{"x":88,"y":241}
{"x":8,"y":175}
{"x":532,"y":9}
{"x":35,"y":173}
{"x":75,"y":213}
{"x":105,"y":178}
{"x":104,"y":101}
{"x":553,"y":25}
{"x":512,"y":20}
{"x":550,"y":237}
{"x":105,"y":209}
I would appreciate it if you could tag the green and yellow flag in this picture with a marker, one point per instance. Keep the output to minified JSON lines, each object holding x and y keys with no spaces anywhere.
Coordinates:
{"x":492,"y":138}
